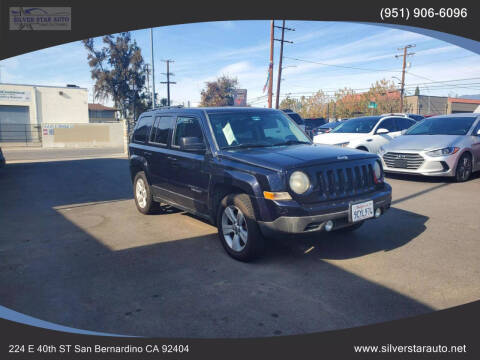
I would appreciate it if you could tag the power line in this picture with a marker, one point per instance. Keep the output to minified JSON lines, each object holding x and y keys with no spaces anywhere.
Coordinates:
{"x":340,"y":66}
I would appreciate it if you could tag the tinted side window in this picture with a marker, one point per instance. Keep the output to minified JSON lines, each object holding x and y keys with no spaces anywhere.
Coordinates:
{"x":143,"y":128}
{"x":403,"y":123}
{"x":187,"y":127}
{"x":388,"y":124}
{"x":162,"y":126}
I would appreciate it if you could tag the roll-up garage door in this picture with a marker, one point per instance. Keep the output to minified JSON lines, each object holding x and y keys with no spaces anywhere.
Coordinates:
{"x":15,"y":125}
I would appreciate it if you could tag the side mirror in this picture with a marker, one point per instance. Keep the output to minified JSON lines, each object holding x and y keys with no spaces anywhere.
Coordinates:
{"x":382,"y":131}
{"x":478,"y":132}
{"x":192,"y":144}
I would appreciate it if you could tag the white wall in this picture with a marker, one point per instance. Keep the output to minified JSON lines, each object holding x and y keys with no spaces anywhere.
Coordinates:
{"x":51,"y":104}
{"x":62,"y":105}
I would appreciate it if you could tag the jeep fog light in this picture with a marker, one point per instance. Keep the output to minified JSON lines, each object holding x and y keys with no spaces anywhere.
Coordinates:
{"x":299,"y":182}
{"x":329,"y":225}
{"x":378,"y":212}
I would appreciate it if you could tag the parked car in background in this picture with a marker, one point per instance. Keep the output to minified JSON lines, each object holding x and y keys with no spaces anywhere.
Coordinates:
{"x":367,"y":133}
{"x":447,"y":145}
{"x":295,"y":117}
{"x":326,"y":128}
{"x":2,"y":159}
{"x":253,"y":173}
{"x":312,"y":123}
{"x":415,"y":117}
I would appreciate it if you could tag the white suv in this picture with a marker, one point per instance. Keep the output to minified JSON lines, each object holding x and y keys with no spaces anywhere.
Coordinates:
{"x":367,"y":133}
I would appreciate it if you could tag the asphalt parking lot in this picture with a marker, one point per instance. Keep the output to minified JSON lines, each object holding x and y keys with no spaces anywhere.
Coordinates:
{"x":75,"y":251}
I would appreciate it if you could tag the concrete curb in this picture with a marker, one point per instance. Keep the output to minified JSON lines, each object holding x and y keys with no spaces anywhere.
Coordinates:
{"x":121,"y":155}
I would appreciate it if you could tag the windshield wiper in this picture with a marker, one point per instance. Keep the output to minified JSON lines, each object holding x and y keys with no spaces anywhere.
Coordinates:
{"x":246,"y":145}
{"x":290,"y":142}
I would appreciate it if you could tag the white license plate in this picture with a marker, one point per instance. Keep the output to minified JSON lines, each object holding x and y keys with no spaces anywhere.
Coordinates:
{"x":361,"y":211}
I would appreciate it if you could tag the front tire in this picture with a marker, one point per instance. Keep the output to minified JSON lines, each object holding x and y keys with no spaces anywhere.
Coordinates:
{"x":464,"y":168}
{"x":238,"y":229}
{"x":143,"y":195}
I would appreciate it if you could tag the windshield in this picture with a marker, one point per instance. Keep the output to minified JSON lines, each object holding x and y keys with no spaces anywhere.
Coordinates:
{"x":360,"y":125}
{"x":255,"y":129}
{"x":442,"y":126}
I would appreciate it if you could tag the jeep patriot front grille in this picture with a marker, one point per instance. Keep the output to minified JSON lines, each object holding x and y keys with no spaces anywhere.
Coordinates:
{"x":343,"y":182}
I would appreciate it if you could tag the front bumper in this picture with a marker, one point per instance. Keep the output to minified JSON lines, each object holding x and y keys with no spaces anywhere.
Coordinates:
{"x":431,"y":166}
{"x":315,"y":222}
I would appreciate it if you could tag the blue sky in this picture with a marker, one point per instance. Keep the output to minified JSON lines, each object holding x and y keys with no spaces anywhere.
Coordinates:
{"x":204,"y":51}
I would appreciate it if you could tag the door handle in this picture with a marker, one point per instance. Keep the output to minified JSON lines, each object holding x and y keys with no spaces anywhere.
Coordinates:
{"x":172,"y":158}
{"x":148,"y":153}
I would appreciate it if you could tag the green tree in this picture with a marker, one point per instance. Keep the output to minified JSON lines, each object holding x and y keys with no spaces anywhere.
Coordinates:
{"x":386,"y":95}
{"x":219,"y":92}
{"x":119,"y":72}
{"x":417,"y":91}
{"x":292,"y":104}
{"x":315,"y":105}
{"x":348,"y":103}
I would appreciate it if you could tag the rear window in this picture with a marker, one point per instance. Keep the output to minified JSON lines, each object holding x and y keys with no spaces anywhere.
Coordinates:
{"x":142,"y":129}
{"x":297,"y":118}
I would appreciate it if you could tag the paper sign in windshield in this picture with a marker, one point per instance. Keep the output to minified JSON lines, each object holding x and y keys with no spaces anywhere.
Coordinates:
{"x":228,"y":132}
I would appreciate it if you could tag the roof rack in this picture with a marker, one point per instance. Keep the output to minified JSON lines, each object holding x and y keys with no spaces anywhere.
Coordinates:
{"x":168,"y":107}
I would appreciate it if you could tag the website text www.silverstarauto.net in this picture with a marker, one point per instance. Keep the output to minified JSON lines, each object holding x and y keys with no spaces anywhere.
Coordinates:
{"x":425,"y":349}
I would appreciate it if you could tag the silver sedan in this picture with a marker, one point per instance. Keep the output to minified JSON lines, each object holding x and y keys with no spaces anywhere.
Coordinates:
{"x":446,"y":145}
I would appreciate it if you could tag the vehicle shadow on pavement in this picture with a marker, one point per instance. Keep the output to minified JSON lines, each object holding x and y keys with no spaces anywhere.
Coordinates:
{"x":420,"y":178}
{"x":393,"y":230}
{"x":120,"y":272}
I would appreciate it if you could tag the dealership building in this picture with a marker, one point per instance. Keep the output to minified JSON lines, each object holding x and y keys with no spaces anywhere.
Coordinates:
{"x":36,"y":104}
{"x":56,"y":116}
{"x":439,"y":105}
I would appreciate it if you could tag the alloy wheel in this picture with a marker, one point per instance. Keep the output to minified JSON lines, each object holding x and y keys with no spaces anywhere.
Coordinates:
{"x":141,"y":193}
{"x":234,"y":228}
{"x":464,"y":168}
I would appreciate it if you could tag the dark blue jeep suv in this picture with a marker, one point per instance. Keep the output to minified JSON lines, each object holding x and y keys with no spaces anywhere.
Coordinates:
{"x":253,"y":173}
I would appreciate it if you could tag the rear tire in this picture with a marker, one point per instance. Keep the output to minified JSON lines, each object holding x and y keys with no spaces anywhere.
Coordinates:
{"x":238,"y":229}
{"x":143,"y":195}
{"x":464,"y":168}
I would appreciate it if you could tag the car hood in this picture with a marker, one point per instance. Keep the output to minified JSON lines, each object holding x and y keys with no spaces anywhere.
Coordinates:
{"x":421,"y":142}
{"x":337,"y":138}
{"x":294,"y":156}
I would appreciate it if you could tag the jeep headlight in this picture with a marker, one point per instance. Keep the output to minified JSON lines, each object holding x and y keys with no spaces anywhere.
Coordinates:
{"x":443,"y":152}
{"x":377,"y":171}
{"x":299,"y":182}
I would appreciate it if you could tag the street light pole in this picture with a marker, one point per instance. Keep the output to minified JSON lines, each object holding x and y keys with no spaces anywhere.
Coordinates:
{"x":153,"y":69}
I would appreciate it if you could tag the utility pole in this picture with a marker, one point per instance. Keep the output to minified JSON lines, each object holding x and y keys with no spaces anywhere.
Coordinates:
{"x":168,"y":82}
{"x":270,"y":66}
{"x":282,"y":40}
{"x":153,"y":69}
{"x":147,"y":70}
{"x":404,"y":55}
